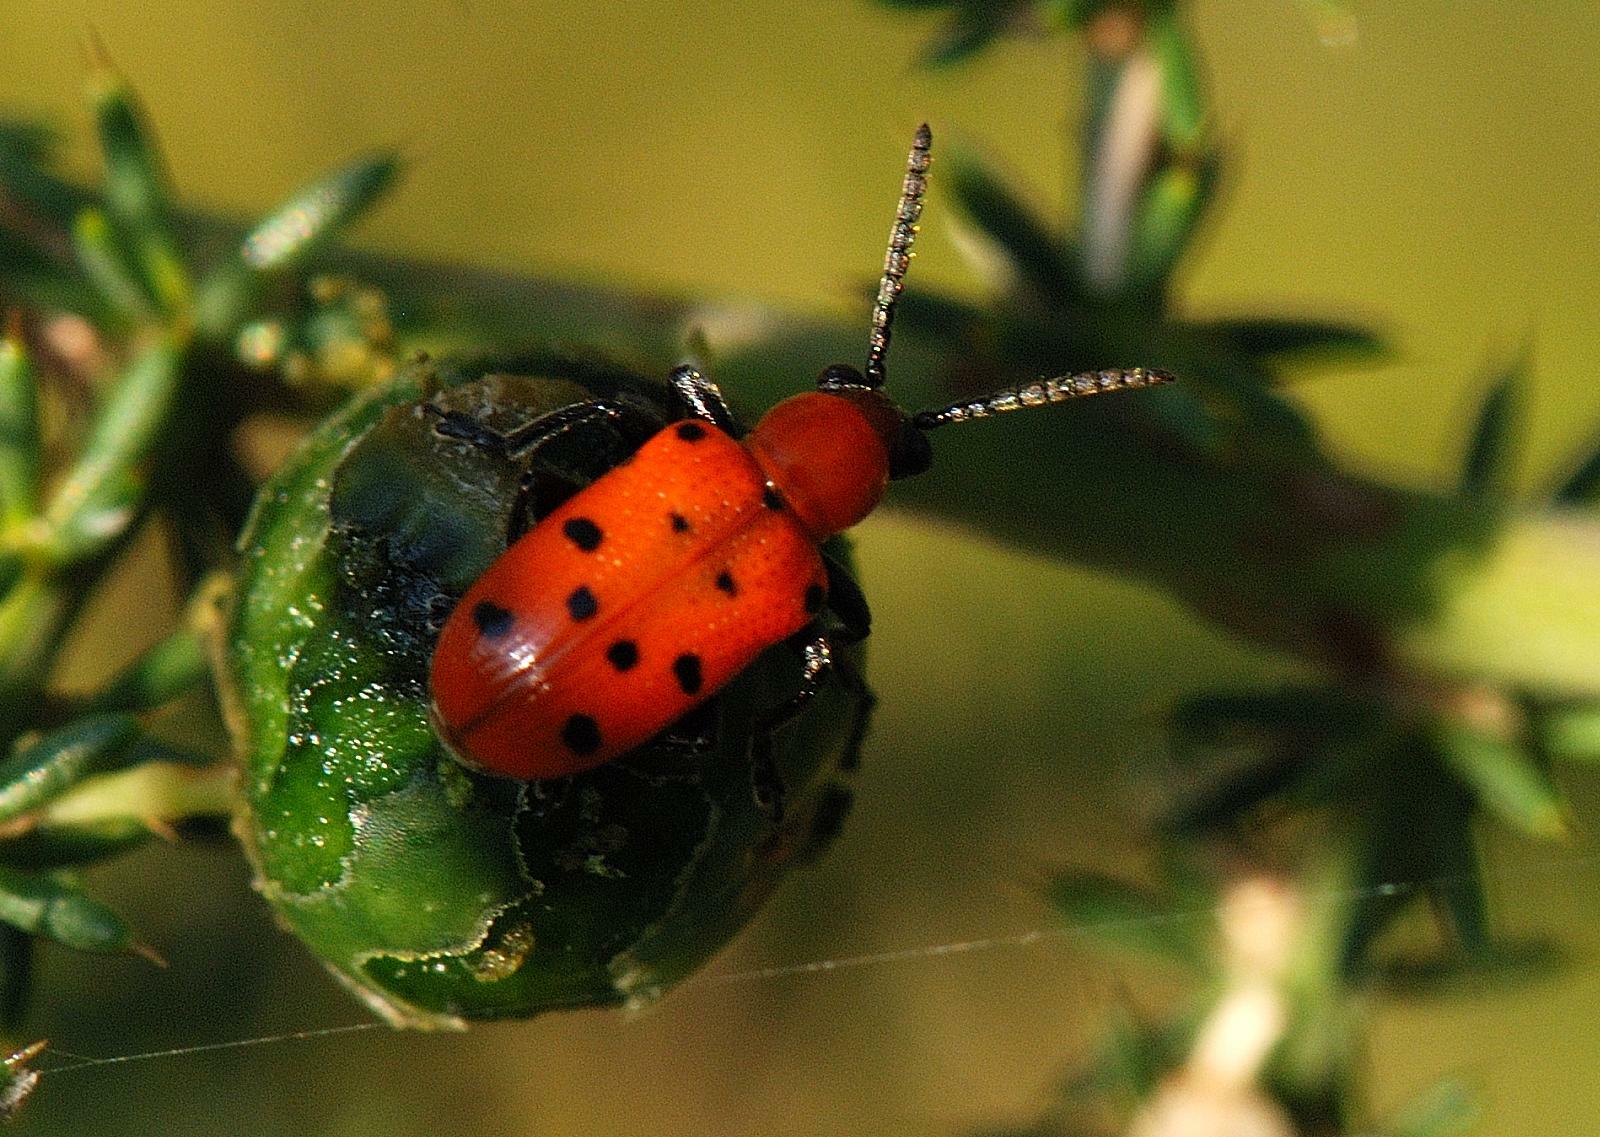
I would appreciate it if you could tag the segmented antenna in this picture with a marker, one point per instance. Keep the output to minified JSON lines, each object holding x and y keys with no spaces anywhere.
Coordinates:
{"x":1042,"y":392}
{"x":898,"y":258}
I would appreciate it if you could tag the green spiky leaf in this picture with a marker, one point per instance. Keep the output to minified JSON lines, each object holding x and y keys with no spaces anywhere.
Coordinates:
{"x":106,"y":263}
{"x":137,"y":197}
{"x":1505,"y":779}
{"x":1126,"y":918}
{"x":19,"y":431}
{"x":1486,"y":469}
{"x":1299,"y":747}
{"x":97,"y":500}
{"x":318,"y":213}
{"x":53,"y":906}
{"x":1297,"y":340}
{"x":1582,"y":486}
{"x":1132,"y":1056}
{"x":136,"y":179}
{"x":1448,"y":1109}
{"x":972,"y":29}
{"x":303,"y":225}
{"x":1170,"y":209}
{"x":1183,"y":102}
{"x":1415,"y":840}
{"x":1570,"y":731}
{"x":38,"y":773}
{"x":27,"y":157}
{"x":1213,"y":718}
{"x":48,"y":847}
{"x":1457,"y":886}
{"x":1033,"y":252}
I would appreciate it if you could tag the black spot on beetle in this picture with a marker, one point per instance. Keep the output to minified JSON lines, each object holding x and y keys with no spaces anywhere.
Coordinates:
{"x":581,"y":735}
{"x":623,"y":654}
{"x":583,"y":533}
{"x":582,"y":604}
{"x":726,"y":583}
{"x":686,"y":668}
{"x":691,"y":431}
{"x":771,"y":498}
{"x":815,"y":595}
{"x":492,"y":620}
{"x":680,"y":523}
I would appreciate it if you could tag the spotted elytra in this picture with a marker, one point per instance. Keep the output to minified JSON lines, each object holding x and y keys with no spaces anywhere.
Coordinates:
{"x":638,"y":598}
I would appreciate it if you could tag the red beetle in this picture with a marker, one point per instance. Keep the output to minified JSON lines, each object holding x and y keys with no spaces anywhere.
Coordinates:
{"x":640,"y":596}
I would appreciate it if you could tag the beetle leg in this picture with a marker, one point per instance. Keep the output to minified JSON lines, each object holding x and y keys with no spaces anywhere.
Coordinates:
{"x":703,"y":398}
{"x":765,"y":781}
{"x":464,"y":428}
{"x":541,"y":489}
{"x":523,"y":440}
{"x":530,"y":436}
{"x":556,"y":471}
{"x":847,"y":602}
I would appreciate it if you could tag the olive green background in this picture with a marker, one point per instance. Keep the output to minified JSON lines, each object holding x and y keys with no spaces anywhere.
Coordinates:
{"x":1437,"y":173}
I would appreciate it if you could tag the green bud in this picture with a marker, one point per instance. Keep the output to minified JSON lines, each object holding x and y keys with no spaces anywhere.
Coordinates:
{"x":438,"y":894}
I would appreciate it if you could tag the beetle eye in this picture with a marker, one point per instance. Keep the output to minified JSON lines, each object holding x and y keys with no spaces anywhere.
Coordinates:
{"x":837,"y":375}
{"x":911,"y":453}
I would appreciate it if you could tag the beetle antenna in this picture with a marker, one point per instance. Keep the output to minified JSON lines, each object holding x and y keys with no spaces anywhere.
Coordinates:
{"x":898,"y":259}
{"x":1043,"y":392}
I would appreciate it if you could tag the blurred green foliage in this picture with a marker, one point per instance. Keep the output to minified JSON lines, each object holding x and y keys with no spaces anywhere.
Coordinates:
{"x":1447,"y":638}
